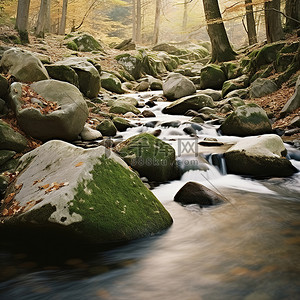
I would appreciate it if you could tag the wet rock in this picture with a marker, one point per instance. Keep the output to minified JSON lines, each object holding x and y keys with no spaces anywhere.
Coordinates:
{"x":247,"y":120}
{"x":151,"y":124}
{"x":143,"y":86}
{"x":65,"y":123}
{"x":196,"y":193}
{"x":241,"y":93}
{"x":260,"y":156}
{"x":10,"y":139}
{"x":123,"y":108}
{"x":150,"y":156}
{"x":131,"y":64}
{"x":107,"y":128}
{"x":111,"y":83}
{"x":155,"y":84}
{"x":262,"y":87}
{"x":212,"y":77}
{"x":191,"y":113}
{"x":216,"y":95}
{"x":177,"y":86}
{"x":190,"y":131}
{"x":87,"y":195}
{"x":90,"y":134}
{"x":121,"y":123}
{"x":23,"y":65}
{"x":174,"y":124}
{"x":197,"y":119}
{"x":207,"y":110}
{"x":148,"y":114}
{"x":150,"y":103}
{"x":194,"y":102}
{"x":210,"y":142}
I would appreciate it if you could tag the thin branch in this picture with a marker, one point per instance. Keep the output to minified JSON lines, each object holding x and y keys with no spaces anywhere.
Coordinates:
{"x":86,"y":14}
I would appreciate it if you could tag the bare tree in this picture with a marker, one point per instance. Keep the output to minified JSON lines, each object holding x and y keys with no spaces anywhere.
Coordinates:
{"x":221,"y":48}
{"x":63,"y":20}
{"x":22,"y":20}
{"x":134,"y":20}
{"x":138,"y":21}
{"x":251,"y":30}
{"x":43,"y":18}
{"x":157,"y":22}
{"x":273,"y":22}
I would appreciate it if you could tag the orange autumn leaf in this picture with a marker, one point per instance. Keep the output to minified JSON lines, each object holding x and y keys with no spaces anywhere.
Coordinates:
{"x":4,"y":212}
{"x":43,"y":187}
{"x":79,"y":164}
{"x":9,"y":197}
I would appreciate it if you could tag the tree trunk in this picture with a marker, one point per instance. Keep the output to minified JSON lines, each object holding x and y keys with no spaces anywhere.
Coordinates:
{"x":41,"y":22}
{"x":63,"y":20}
{"x":48,"y":17}
{"x":252,"y":37}
{"x":134,"y":20}
{"x":184,"y":20}
{"x":157,"y":22}
{"x":292,"y":10}
{"x":138,"y":21}
{"x":273,"y":23}
{"x":221,"y":48}
{"x":22,"y":20}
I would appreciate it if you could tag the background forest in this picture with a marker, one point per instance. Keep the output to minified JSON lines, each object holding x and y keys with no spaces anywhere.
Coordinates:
{"x":111,"y":20}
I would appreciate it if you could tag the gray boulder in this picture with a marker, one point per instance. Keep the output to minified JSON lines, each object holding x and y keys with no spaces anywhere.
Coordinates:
{"x":150,"y":156}
{"x":65,"y":122}
{"x":87,"y":195}
{"x":23,"y":65}
{"x":63,"y":73}
{"x":177,"y":86}
{"x":111,"y":83}
{"x":90,"y":134}
{"x":88,"y":75}
{"x":170,"y":62}
{"x":107,"y":128}
{"x":294,"y":102}
{"x":196,"y":193}
{"x":249,"y":119}
{"x":121,"y":123}
{"x":10,"y":139}
{"x":87,"y":43}
{"x":131,"y":64}
{"x":235,"y":84}
{"x":194,"y":102}
{"x":212,"y":77}
{"x":261,"y":156}
{"x":262,"y":87}
{"x":121,"y":107}
{"x":155,"y":84}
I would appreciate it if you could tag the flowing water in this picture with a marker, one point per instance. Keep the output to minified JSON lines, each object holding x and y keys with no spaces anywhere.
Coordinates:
{"x":247,"y":248}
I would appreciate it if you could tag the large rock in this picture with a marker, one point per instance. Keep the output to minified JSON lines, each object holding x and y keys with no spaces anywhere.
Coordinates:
{"x":122,"y":107}
{"x":90,"y":195}
{"x":23,"y":65}
{"x":87,"y":43}
{"x":177,"y":86}
{"x":10,"y":139}
{"x":63,"y":73}
{"x":170,"y":62}
{"x":194,"y":102}
{"x":249,"y":119}
{"x":150,"y":156}
{"x":131,"y":64}
{"x":261,"y":156}
{"x":107,"y":128}
{"x":294,"y":102}
{"x":121,"y":123}
{"x":262,"y":87}
{"x":66,"y":122}
{"x":235,"y":84}
{"x":88,"y":75}
{"x":3,"y":87}
{"x":111,"y":83}
{"x":212,"y":77}
{"x":196,"y":193}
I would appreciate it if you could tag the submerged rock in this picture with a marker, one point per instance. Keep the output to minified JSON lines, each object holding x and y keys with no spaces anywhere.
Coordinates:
{"x":261,"y":156}
{"x":89,"y":195}
{"x":150,"y":156}
{"x":196,"y":193}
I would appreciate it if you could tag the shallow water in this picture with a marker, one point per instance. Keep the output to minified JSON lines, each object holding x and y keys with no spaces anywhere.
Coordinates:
{"x":247,"y":248}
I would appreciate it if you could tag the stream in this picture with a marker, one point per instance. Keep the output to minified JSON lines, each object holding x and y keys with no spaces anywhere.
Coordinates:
{"x":247,"y":248}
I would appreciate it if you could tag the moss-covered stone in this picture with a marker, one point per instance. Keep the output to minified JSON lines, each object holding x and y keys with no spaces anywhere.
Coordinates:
{"x":72,"y":45}
{"x":131,"y":64}
{"x":63,"y":73}
{"x":87,"y":43}
{"x":194,"y":102}
{"x":235,"y":84}
{"x":3,"y":87}
{"x":212,"y":77}
{"x":231,"y":70}
{"x":262,"y":87}
{"x":150,"y":156}
{"x":123,"y":107}
{"x":6,"y":155}
{"x":111,"y":83}
{"x":107,"y":128}
{"x":283,"y":61}
{"x":121,"y":123}
{"x":100,"y":199}
{"x":249,"y":119}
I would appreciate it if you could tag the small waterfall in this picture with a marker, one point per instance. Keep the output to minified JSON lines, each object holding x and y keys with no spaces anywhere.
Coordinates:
{"x":218,"y":161}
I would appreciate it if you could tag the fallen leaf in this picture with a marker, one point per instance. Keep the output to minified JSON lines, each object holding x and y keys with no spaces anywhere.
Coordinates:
{"x":4,"y":212}
{"x":43,"y":187}
{"x":79,"y":164}
{"x":9,"y":197}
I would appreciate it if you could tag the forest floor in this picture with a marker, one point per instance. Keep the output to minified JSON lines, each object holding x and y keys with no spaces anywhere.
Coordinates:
{"x":52,"y":46}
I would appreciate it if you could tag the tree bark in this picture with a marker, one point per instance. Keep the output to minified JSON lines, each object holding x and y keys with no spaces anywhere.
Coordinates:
{"x":292,"y":10}
{"x":252,"y":37}
{"x":221,"y":48}
{"x":134,"y":20}
{"x":138,"y":21}
{"x":157,"y":22}
{"x":273,"y":23}
{"x":22,"y":20}
{"x":63,"y":20}
{"x":42,"y":19}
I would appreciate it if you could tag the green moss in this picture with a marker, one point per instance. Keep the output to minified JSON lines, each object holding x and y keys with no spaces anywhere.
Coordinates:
{"x":119,"y":206}
{"x":72,"y":46}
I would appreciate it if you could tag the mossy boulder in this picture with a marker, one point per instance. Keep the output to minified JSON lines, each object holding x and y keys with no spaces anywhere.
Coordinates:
{"x":262,"y":87}
{"x":283,"y":61}
{"x":64,"y":123}
{"x":23,"y":65}
{"x":235,"y":84}
{"x":150,"y":156}
{"x":107,"y":128}
{"x":87,"y":43}
{"x":72,"y":45}
{"x":120,"y":107}
{"x":177,"y":86}
{"x":294,"y":102}
{"x":63,"y":73}
{"x":10,"y":139}
{"x":87,"y":195}
{"x":6,"y":155}
{"x":151,"y":65}
{"x":231,"y":70}
{"x":171,"y":62}
{"x":121,"y":123}
{"x":261,"y":156}
{"x":111,"y":83}
{"x":249,"y":119}
{"x":194,"y":102}
{"x":212,"y":76}
{"x":3,"y":87}
{"x":169,"y":48}
{"x":131,"y":64}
